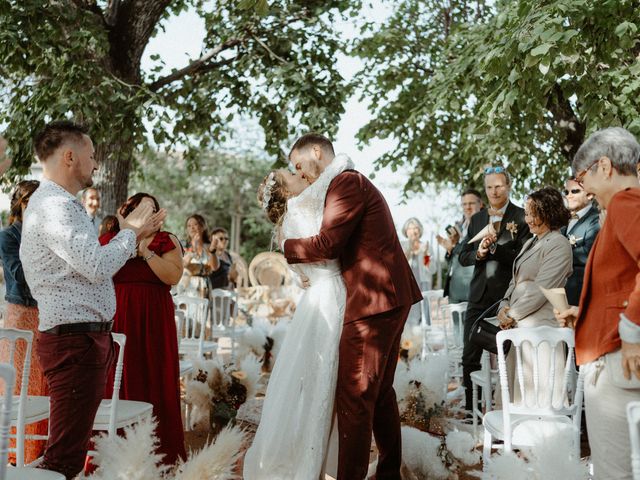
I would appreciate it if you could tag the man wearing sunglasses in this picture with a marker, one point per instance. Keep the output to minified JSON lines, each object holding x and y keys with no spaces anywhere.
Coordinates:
{"x":492,"y":257}
{"x":581,"y":232}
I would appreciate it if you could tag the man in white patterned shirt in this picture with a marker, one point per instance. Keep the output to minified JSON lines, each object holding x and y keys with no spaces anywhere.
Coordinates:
{"x":69,"y":273}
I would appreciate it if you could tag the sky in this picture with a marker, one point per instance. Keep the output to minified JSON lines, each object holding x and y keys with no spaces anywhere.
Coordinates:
{"x":435,"y":210}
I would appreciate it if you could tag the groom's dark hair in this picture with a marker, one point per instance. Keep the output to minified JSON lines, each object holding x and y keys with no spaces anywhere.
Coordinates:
{"x":312,"y":139}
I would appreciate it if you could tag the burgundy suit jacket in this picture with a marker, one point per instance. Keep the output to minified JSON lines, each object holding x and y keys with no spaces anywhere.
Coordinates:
{"x":611,"y":280}
{"x":357,"y":228}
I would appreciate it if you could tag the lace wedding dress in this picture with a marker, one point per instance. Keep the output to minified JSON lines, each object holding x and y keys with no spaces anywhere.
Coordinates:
{"x":293,"y":435}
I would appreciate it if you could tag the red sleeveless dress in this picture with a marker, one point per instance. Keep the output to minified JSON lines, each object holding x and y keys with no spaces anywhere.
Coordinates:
{"x":145,"y":314}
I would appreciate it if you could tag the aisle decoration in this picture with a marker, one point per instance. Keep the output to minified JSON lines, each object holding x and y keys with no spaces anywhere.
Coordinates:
{"x":262,"y":340}
{"x":216,"y":391}
{"x":421,"y":390}
{"x":134,"y":457}
{"x":551,"y":458}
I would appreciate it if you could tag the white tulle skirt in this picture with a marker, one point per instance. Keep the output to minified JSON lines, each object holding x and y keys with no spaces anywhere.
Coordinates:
{"x":293,"y":435}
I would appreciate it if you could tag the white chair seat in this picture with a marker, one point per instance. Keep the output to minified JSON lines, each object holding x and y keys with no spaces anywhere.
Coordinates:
{"x":36,"y":409}
{"x":477,"y":377}
{"x":221,"y":331}
{"x":27,"y":473}
{"x":129,"y":412}
{"x":186,"y":367}
{"x":188,"y":345}
{"x":528,"y":430}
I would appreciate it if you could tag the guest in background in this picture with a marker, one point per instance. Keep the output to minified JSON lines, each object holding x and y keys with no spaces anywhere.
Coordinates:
{"x":226,"y":275}
{"x":492,"y":258}
{"x":420,"y":258}
{"x":458,"y":277}
{"x":198,"y":262}
{"x":108,"y":224}
{"x":581,"y":232}
{"x":91,"y":203}
{"x":22,"y":309}
{"x":607,"y":321}
{"x":544,"y":261}
{"x":145,"y":314}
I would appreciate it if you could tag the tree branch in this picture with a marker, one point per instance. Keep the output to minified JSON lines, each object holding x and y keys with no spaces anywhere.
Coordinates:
{"x":271,"y":52}
{"x":90,"y":6}
{"x":197,"y":66}
{"x":112,"y":12}
{"x":566,"y":119}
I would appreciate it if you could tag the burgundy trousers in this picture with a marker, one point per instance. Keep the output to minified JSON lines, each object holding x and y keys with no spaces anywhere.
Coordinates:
{"x":365,"y":399}
{"x":75,"y":366}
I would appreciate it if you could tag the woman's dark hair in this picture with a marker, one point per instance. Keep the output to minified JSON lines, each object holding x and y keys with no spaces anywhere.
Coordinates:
{"x":20,"y":198}
{"x":218,"y":230}
{"x":129,"y":206}
{"x":547,"y":205}
{"x":108,"y":224}
{"x":203,"y":224}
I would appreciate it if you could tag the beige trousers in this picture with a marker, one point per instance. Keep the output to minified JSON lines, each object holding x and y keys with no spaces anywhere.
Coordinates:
{"x":606,"y":413}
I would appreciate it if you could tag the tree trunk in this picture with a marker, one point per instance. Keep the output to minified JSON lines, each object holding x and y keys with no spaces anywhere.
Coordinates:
{"x":112,"y":178}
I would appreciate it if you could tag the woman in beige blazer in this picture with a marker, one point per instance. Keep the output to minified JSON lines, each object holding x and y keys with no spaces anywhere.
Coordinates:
{"x":544,"y":261}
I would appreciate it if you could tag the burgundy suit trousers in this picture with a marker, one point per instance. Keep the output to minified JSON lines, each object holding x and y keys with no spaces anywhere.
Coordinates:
{"x":365,"y":398}
{"x":75,"y":366}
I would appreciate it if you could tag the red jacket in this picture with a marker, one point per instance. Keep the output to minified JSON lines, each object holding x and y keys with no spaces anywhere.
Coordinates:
{"x":611,"y":280}
{"x":357,"y":228}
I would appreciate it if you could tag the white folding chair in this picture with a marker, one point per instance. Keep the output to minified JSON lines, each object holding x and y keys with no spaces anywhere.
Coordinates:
{"x":26,"y":409}
{"x":224,"y":305}
{"x":186,"y":366}
{"x":429,"y":311}
{"x":115,"y":413}
{"x":192,"y":337}
{"x":485,"y":379}
{"x":8,"y":373}
{"x":526,"y":423}
{"x":633,"y":417}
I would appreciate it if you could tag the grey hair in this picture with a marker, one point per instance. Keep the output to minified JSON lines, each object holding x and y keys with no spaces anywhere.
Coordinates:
{"x":414,"y":221}
{"x":615,"y":143}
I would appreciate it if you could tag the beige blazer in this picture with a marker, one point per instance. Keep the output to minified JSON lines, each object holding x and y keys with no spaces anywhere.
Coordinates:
{"x":547,"y":264}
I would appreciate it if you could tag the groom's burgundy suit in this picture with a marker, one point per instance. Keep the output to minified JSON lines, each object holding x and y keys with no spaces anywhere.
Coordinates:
{"x":357,"y":228}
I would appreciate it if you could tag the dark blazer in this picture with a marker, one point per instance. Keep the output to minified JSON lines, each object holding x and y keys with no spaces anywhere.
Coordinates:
{"x":17,"y":290}
{"x":357,"y":228}
{"x":492,"y":274}
{"x":584,"y":233}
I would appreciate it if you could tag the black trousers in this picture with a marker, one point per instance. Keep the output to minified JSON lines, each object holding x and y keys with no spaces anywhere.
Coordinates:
{"x":471,"y":353}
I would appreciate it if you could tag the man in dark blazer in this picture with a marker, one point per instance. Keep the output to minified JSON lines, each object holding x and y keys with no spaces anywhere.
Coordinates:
{"x":581,"y":232}
{"x":492,"y":257}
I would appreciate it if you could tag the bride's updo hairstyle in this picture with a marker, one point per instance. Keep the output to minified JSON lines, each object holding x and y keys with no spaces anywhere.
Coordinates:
{"x":273,"y":196}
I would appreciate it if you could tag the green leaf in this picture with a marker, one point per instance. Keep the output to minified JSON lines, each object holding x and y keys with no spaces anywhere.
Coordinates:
{"x":262,"y":7}
{"x":541,"y":49}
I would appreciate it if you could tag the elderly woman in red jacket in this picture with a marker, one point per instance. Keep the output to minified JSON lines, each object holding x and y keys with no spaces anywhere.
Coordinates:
{"x":607,"y":321}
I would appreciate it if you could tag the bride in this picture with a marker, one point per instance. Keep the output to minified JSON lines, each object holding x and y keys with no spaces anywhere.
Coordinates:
{"x":293,"y":436}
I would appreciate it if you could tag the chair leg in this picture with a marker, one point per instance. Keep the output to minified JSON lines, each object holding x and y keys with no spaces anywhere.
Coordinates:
{"x":486,"y":449}
{"x":474,"y":407}
{"x":486,"y":397}
{"x":20,"y":440}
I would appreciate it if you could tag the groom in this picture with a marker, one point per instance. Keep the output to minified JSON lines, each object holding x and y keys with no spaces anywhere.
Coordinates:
{"x":358,"y":229}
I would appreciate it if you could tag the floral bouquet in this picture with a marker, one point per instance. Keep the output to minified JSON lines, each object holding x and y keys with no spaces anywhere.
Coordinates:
{"x":217,"y":391}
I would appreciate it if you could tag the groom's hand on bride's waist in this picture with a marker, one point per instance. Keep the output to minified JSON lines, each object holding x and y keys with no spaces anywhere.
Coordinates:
{"x":304,"y":280}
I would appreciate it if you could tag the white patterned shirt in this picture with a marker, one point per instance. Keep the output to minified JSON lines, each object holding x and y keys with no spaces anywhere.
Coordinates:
{"x":68,"y":271}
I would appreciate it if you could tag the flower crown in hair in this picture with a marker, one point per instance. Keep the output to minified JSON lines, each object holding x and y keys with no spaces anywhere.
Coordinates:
{"x":268,"y":187}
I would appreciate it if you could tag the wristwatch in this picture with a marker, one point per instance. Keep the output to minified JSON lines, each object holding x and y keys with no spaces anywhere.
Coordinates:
{"x":148,"y":257}
{"x":492,"y":248}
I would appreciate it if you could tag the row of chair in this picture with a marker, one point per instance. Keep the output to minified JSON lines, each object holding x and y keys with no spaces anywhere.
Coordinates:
{"x":29,"y":409}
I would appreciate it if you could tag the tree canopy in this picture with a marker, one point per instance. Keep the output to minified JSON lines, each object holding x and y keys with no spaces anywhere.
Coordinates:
{"x":272,"y":61}
{"x":464,"y":84}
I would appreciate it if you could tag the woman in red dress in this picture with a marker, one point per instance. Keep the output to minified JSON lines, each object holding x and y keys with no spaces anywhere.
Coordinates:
{"x":145,"y":314}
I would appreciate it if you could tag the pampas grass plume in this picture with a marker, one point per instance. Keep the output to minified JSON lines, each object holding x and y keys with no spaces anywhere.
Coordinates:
{"x":132,"y":457}
{"x":253,"y":368}
{"x":216,"y":461}
{"x":462,"y":446}
{"x":420,"y":454}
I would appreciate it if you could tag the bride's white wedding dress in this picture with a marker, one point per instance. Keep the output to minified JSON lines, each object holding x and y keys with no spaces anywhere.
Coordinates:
{"x":292,"y":439}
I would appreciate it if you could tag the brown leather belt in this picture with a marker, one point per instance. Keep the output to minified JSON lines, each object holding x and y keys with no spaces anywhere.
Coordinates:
{"x":86,"y":327}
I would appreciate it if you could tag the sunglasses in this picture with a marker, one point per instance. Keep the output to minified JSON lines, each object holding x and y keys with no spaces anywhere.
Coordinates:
{"x":490,"y":170}
{"x":573,"y":191}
